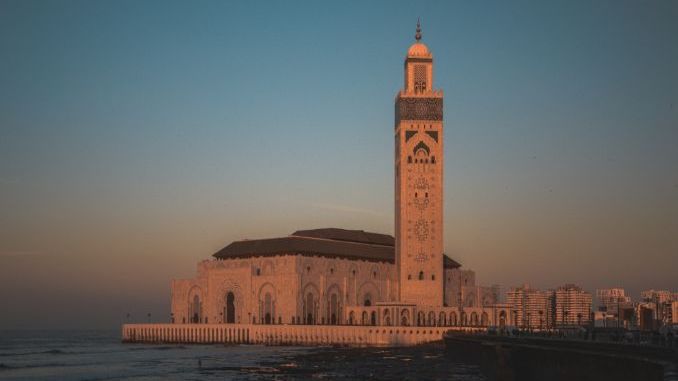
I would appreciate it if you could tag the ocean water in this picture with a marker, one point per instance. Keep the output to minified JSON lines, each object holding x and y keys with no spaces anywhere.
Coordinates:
{"x":99,"y":355}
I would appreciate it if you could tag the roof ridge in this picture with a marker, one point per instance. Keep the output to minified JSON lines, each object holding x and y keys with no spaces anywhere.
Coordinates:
{"x":337,"y":240}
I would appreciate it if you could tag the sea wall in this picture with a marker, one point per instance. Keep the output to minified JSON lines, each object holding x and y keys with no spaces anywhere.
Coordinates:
{"x":283,"y":334}
{"x":527,"y":359}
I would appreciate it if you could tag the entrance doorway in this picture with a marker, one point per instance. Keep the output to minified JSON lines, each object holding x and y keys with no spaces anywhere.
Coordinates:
{"x":230,"y":308}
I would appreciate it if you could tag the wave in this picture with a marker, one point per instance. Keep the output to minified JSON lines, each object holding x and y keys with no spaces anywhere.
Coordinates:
{"x":32,"y":366}
{"x":46,"y":352}
{"x":67,"y":352}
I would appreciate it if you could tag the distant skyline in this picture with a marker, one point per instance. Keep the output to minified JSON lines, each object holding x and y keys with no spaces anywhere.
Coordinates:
{"x":137,"y":138}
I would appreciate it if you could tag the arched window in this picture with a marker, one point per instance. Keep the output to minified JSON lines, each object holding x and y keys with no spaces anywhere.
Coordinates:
{"x":310,"y":308}
{"x":409,"y":160}
{"x":409,"y":276}
{"x":374,"y":274}
{"x":334,"y":309}
{"x":367,"y":300}
{"x":502,"y":319}
{"x":405,"y":318}
{"x":268,"y":309}
{"x":433,"y":159}
{"x":421,"y":319}
{"x":474,"y":318}
{"x":433,"y":276}
{"x":258,"y":272}
{"x":421,"y":275}
{"x":195,"y":314}
{"x":453,"y":318}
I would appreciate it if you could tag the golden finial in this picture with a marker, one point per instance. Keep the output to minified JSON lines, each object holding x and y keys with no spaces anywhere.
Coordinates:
{"x":417,"y":36}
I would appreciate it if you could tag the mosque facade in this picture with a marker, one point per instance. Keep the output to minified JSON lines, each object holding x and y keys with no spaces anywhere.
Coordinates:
{"x":353,"y":278}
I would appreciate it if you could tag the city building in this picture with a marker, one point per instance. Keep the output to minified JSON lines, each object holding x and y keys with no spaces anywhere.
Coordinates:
{"x":572,"y":306}
{"x":646,"y":313}
{"x":660,"y":302}
{"x":531,"y":308}
{"x":343,"y":277}
{"x":615,"y":308}
{"x":612,"y":299}
{"x":658,"y":296}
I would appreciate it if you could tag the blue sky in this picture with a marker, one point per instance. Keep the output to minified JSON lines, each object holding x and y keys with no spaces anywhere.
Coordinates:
{"x":138,"y":137}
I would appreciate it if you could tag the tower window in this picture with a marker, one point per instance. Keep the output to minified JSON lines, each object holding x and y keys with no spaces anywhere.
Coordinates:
{"x":409,"y":276}
{"x":421,"y":275}
{"x":419,"y":78}
{"x":433,"y":276}
{"x":409,"y":159}
{"x":433,"y":159}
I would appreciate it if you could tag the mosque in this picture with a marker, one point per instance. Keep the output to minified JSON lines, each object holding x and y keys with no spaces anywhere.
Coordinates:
{"x":352,"y":277}
{"x":343,"y":278}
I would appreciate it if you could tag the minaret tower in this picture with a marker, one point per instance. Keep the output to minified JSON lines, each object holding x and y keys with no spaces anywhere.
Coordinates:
{"x":419,"y":181}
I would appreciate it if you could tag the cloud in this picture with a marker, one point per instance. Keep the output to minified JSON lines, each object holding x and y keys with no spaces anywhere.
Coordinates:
{"x":346,"y":209}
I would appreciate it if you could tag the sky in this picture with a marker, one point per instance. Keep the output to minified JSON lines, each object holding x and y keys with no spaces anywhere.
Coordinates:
{"x":139,"y":137}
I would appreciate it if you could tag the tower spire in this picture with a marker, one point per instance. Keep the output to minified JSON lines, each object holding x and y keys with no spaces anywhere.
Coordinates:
{"x":417,"y":36}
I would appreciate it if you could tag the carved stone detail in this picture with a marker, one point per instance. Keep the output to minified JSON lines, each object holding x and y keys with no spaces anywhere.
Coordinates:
{"x":419,"y":109}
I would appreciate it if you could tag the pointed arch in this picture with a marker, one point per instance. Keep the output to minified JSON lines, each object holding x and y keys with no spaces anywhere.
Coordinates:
{"x":484,"y":319}
{"x":195,"y":300}
{"x":474,"y":318}
{"x":229,"y":286}
{"x":267,"y":303}
{"x":453,"y":318}
{"x":421,"y":146}
{"x":333,"y":304}
{"x":310,"y":303}
{"x":405,"y":317}
{"x":368,"y":292}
